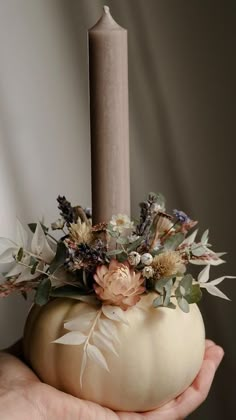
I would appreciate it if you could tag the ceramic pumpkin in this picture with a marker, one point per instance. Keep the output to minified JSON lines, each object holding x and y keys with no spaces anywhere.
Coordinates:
{"x":115,"y":318}
{"x":158,"y":354}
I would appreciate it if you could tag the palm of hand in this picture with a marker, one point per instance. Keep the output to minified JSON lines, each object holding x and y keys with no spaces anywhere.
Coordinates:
{"x":20,"y":387}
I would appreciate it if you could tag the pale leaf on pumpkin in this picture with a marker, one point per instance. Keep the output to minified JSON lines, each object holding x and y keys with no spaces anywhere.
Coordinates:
{"x":115,"y":313}
{"x":83,"y":366}
{"x":103,"y":343}
{"x":73,"y":338}
{"x":96,"y":355}
{"x":81,"y":322}
{"x":108,"y":328}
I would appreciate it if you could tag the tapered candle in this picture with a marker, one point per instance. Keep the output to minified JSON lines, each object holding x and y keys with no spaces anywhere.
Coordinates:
{"x":109,"y":119}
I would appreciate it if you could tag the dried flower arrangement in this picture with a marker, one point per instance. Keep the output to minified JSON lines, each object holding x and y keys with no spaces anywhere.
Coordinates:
{"x":109,"y":266}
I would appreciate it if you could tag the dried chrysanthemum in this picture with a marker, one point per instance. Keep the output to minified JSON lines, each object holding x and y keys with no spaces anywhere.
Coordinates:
{"x":121,"y":222}
{"x":167,"y":264}
{"x":81,"y":232}
{"x":118,"y":284}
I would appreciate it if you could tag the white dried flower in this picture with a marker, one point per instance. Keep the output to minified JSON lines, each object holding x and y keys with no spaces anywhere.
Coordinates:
{"x":133,"y":238}
{"x":58,"y":224}
{"x":147,"y":259}
{"x":148,"y":272}
{"x":120,"y":222}
{"x":134,"y":258}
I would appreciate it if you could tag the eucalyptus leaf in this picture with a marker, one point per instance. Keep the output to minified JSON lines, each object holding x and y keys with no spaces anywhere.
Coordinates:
{"x":195,"y":294}
{"x":174,"y":241}
{"x":204,"y":238}
{"x":158,"y":302}
{"x":20,"y":254}
{"x":158,"y":198}
{"x":114,"y":252}
{"x":43,"y":292}
{"x":186,"y":283}
{"x":112,"y":233}
{"x":167,"y":292}
{"x":182,"y":290}
{"x":155,"y":252}
{"x":34,"y":267}
{"x":183,"y":304}
{"x":171,"y":305}
{"x":59,"y":259}
{"x":135,"y":244}
{"x":122,"y":240}
{"x":160,"y":284}
{"x":198,"y":250}
{"x":122,"y":257}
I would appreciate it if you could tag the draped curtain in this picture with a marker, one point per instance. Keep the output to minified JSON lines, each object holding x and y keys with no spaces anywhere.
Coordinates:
{"x":182,"y":93}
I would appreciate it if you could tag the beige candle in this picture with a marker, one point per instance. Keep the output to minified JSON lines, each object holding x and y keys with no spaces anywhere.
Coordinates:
{"x":108,"y":72}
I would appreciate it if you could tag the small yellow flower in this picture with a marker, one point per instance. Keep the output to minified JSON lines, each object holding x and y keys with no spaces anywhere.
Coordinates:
{"x":167,"y":264}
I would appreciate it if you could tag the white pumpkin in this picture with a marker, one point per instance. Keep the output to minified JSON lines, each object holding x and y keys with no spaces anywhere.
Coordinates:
{"x":160,"y":353}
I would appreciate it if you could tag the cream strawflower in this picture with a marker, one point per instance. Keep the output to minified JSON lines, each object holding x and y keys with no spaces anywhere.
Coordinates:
{"x":167,"y":264}
{"x":118,"y":285}
{"x":120,"y":222}
{"x":81,"y":232}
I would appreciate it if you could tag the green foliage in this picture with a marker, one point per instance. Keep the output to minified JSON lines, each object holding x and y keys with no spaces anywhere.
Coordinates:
{"x":187,"y":292}
{"x":158,"y":198}
{"x":195,"y":295}
{"x":164,"y":288}
{"x":198,"y":250}
{"x":43,"y":292}
{"x":135,"y":244}
{"x":20,"y":254}
{"x":122,"y":257}
{"x":158,"y":302}
{"x":34,"y":267}
{"x":174,"y":241}
{"x":183,"y":304}
{"x":59,"y":259}
{"x":114,"y":252}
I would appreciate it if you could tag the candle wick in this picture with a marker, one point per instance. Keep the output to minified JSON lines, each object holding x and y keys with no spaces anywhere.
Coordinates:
{"x":106,"y":9}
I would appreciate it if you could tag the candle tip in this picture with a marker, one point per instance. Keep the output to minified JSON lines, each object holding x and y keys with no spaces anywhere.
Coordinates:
{"x":106,"y":9}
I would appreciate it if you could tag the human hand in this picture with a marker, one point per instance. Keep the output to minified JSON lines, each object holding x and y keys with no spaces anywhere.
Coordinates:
{"x":23,"y":396}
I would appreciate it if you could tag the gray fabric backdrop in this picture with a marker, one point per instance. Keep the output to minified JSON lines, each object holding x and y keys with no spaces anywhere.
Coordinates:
{"x":182,"y":70}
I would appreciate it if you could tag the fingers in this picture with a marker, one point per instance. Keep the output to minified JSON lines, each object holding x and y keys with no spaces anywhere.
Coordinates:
{"x":12,"y":370}
{"x":194,"y":396}
{"x":209,"y":343}
{"x":198,"y":391}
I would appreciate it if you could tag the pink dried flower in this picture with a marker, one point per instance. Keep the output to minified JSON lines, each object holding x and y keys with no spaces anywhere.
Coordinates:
{"x":118,"y":284}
